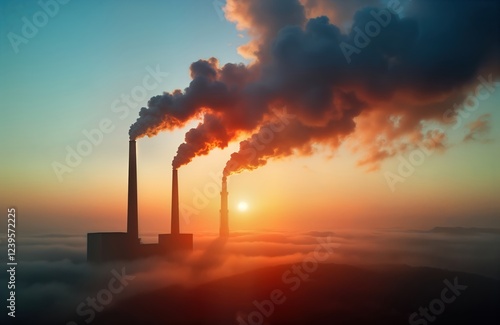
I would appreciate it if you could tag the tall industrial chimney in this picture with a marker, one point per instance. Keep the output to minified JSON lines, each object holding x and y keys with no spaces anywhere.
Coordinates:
{"x":174,"y":227}
{"x":224,"y":222}
{"x":132,"y":214}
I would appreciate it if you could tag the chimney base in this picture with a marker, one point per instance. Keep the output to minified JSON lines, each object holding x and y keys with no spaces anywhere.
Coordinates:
{"x":176,"y":242}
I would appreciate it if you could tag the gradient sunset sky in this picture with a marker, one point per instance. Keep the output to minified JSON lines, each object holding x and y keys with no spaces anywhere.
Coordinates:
{"x":68,"y":77}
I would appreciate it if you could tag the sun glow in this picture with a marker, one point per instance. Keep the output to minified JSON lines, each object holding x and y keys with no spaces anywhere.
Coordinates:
{"x":242,"y":206}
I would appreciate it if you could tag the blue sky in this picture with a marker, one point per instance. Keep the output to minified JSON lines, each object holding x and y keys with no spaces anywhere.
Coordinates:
{"x":67,"y":76}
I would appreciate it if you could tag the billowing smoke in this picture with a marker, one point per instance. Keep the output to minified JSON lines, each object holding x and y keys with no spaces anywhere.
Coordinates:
{"x":380,"y":83}
{"x":286,"y":136}
{"x":222,"y":92}
{"x":200,"y":140}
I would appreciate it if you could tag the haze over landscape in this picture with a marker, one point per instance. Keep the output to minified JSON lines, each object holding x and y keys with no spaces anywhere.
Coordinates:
{"x":359,"y":140}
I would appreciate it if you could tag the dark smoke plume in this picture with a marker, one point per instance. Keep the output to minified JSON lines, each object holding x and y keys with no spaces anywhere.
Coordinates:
{"x":382,"y":94}
{"x":200,"y":140}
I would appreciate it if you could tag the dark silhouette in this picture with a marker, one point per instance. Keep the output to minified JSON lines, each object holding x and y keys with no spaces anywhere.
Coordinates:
{"x":109,"y":246}
{"x":224,"y":213}
{"x":132,"y":212}
{"x":174,"y":226}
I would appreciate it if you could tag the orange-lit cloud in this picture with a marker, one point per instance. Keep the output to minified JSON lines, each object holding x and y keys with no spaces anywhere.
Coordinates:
{"x":383,"y":94}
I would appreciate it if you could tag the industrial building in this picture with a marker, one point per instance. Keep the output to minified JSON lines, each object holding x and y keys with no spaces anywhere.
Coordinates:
{"x":109,"y":246}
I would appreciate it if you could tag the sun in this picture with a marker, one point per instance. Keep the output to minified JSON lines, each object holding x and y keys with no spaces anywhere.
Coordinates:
{"x":242,"y":206}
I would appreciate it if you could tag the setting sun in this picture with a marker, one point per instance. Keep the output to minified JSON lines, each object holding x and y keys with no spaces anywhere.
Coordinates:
{"x":242,"y":206}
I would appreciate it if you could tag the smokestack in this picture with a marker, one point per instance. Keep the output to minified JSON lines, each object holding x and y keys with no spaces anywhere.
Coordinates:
{"x":224,"y":213}
{"x":174,"y":227}
{"x":132,"y":215}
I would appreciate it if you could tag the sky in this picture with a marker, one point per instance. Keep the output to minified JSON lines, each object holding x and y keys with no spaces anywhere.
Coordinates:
{"x":76,"y":72}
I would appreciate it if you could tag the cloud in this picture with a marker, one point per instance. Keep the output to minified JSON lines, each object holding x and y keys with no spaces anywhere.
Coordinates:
{"x":479,"y":129}
{"x":421,"y":62}
{"x":55,"y":285}
{"x":339,"y":12}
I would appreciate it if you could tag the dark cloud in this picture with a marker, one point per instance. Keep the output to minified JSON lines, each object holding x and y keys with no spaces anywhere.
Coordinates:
{"x":339,"y":83}
{"x":209,"y":134}
{"x":340,"y":12}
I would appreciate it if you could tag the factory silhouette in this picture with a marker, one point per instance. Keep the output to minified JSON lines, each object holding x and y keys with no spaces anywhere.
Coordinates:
{"x":110,"y":246}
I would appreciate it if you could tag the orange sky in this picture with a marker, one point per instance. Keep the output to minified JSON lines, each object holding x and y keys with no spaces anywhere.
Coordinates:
{"x":324,"y":191}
